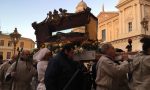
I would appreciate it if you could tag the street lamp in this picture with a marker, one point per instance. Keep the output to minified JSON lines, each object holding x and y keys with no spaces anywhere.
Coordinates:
{"x":144,"y":24}
{"x":15,"y":36}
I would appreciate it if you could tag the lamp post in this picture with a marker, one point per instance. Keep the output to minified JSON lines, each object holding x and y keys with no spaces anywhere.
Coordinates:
{"x":15,"y":36}
{"x":144,"y":24}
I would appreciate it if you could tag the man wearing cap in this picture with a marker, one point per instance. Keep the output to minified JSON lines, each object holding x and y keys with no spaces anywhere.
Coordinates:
{"x":3,"y":69}
{"x":22,"y":75}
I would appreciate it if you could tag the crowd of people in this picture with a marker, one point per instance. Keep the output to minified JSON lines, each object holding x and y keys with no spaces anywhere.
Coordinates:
{"x":44,"y":71}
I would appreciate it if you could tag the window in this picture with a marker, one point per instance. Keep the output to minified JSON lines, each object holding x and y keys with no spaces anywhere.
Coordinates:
{"x":9,"y":44}
{"x":130,"y":26}
{"x":1,"y":42}
{"x":21,"y":44}
{"x":103,"y":35}
{"x":8,"y":55}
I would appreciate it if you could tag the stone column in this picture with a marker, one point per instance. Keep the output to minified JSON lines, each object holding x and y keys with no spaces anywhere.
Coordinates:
{"x":123,"y":22}
{"x":109,"y":35}
{"x":120,"y":24}
{"x":139,"y":18}
{"x":134,"y":18}
{"x":106,"y":32}
{"x":143,"y":11}
{"x":113,"y":31}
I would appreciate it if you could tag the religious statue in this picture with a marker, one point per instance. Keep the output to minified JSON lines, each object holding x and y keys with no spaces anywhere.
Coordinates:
{"x":129,"y":46}
{"x":56,"y":17}
{"x":63,"y":12}
{"x":50,"y":18}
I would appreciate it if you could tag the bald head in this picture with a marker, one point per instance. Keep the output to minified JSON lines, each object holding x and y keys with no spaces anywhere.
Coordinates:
{"x":14,"y":57}
{"x":25,"y":54}
{"x":105,"y":47}
{"x":108,"y":49}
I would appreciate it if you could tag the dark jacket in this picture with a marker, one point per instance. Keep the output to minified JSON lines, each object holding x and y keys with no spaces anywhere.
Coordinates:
{"x":59,"y":71}
{"x":94,"y":75}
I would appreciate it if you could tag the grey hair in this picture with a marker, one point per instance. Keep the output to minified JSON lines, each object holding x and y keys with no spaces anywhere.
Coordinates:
{"x":105,"y":47}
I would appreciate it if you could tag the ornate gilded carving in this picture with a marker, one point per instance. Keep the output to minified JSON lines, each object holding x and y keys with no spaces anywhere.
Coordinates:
{"x":63,"y":12}
{"x":50,"y":17}
{"x":55,"y":17}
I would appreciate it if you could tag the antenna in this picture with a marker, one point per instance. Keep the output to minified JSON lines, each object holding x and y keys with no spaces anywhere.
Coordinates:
{"x":0,"y":25}
{"x":103,"y":9}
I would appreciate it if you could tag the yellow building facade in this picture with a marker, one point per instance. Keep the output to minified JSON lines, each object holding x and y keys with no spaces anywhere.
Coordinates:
{"x":118,"y":27}
{"x":7,"y":48}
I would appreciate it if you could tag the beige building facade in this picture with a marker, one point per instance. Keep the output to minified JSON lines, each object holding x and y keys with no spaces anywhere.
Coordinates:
{"x":7,"y":48}
{"x":118,"y":27}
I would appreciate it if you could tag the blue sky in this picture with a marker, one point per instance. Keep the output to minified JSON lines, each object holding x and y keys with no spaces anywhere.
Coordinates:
{"x":21,"y":14}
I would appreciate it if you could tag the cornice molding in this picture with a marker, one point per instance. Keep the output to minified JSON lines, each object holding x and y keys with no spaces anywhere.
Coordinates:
{"x":123,"y":3}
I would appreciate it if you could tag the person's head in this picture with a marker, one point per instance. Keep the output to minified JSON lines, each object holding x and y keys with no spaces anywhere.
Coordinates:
{"x":68,"y":49}
{"x":146,"y":45}
{"x":108,"y":50}
{"x":47,"y":56}
{"x":25,"y":55}
{"x":119,"y":50}
{"x":14,"y":58}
